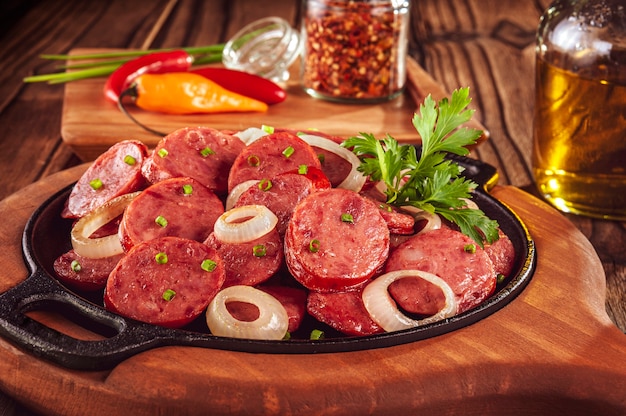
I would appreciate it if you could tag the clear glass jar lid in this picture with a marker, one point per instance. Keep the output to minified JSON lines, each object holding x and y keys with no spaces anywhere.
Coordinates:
{"x":266,"y":47}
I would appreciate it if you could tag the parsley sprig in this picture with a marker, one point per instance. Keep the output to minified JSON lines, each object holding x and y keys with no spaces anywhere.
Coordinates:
{"x":431,"y":182}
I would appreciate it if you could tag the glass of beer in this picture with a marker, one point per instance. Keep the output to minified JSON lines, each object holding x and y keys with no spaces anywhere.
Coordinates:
{"x":579,"y":151}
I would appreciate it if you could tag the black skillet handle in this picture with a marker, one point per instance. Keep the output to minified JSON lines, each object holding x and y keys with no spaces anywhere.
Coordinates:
{"x":41,"y":293}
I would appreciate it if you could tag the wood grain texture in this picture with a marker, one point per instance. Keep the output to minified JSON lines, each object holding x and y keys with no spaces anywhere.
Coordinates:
{"x":486,"y":44}
{"x":553,"y":344}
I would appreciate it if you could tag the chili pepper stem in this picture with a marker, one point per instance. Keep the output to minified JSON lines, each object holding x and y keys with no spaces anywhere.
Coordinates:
{"x":132,"y":92}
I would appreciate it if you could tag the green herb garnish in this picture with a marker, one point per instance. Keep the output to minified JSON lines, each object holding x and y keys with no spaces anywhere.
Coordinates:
{"x":431,"y":182}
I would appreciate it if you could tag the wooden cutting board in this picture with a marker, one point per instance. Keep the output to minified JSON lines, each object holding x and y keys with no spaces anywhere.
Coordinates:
{"x":91,"y":124}
{"x":552,"y":350}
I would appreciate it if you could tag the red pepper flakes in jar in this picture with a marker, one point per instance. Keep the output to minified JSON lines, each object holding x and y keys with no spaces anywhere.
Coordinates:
{"x":355,"y":50}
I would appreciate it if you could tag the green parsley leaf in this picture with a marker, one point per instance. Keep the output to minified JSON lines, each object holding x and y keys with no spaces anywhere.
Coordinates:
{"x":431,"y":181}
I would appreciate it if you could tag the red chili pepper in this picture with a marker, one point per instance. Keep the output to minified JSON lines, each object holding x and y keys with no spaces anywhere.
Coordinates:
{"x":244,"y":83}
{"x":154,"y":63}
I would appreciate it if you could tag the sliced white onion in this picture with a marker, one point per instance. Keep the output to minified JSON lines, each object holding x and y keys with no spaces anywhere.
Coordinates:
{"x":433,"y":221}
{"x":384,"y":311}
{"x":470,"y":204}
{"x":234,"y":195}
{"x":96,"y":248}
{"x":259,"y":220}
{"x":355,"y":179}
{"x":251,"y":134}
{"x":271,"y":324}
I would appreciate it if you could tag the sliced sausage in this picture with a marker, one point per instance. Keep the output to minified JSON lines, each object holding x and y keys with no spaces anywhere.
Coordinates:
{"x":202,"y":153}
{"x":336,"y":240}
{"x":399,"y":222}
{"x":85,"y":274}
{"x":502,"y":254}
{"x":180,"y":207}
{"x":271,"y":155}
{"x":166,"y":281}
{"x":282,"y":193}
{"x":335,"y":167}
{"x":343,"y":311}
{"x":115,"y":172}
{"x":443,"y":252}
{"x":252,"y":262}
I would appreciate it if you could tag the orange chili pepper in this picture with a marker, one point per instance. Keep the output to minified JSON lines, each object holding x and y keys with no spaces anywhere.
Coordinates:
{"x":188,"y":93}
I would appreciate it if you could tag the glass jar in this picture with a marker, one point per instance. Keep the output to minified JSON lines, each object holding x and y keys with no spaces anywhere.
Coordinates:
{"x":266,"y":47}
{"x":354,"y":50}
{"x":579,"y":150}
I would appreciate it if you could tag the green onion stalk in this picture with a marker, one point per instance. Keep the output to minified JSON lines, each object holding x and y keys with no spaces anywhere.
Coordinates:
{"x":105,"y":63}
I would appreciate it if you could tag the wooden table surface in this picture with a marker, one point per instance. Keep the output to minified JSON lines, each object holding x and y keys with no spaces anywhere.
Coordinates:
{"x":485,"y":44}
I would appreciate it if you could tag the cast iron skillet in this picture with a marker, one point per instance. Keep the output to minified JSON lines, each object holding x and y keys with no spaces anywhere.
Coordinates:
{"x":46,"y":236}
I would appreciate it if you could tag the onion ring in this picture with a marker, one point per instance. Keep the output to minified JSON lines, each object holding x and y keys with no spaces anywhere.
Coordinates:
{"x":355,"y":179}
{"x":110,"y":245}
{"x":470,"y":204}
{"x":271,"y":324}
{"x":433,"y":221}
{"x":234,"y":195}
{"x":259,"y":221}
{"x":384,"y":311}
{"x":251,"y":134}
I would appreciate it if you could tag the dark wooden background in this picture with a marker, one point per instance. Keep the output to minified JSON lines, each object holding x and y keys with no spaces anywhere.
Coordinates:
{"x":485,"y":44}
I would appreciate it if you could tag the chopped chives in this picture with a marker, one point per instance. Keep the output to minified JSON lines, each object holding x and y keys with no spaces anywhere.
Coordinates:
{"x":208,"y":265}
{"x":169,"y":294}
{"x":163,"y":152}
{"x":316,"y":334}
{"x":288,"y":151}
{"x":95,"y":184}
{"x":161,"y":258}
{"x":265,"y":185}
{"x":500,"y":278}
{"x":321,"y":157}
{"x":129,"y":160}
{"x":206,"y":152}
{"x":303,"y":169}
{"x":254,"y":161}
{"x":259,"y":250}
{"x":347,"y":218}
{"x":187,"y":189}
{"x":161,"y":221}
{"x":470,"y":248}
{"x":314,"y":245}
{"x":267,"y":129}
{"x":76,"y":267}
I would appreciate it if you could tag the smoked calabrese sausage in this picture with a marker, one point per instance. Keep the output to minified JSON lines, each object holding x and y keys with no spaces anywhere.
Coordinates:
{"x":283,"y":192}
{"x":252,"y":262}
{"x":84,"y":273}
{"x":202,"y":153}
{"x":336,"y":240}
{"x":446,"y":253}
{"x":343,"y":311}
{"x":335,"y":167}
{"x":165,"y":281}
{"x":115,"y":172}
{"x":180,"y":207}
{"x":501,"y":254}
{"x":271,"y":155}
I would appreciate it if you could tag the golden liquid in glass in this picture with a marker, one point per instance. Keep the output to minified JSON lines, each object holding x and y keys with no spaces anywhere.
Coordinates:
{"x":579,"y":153}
